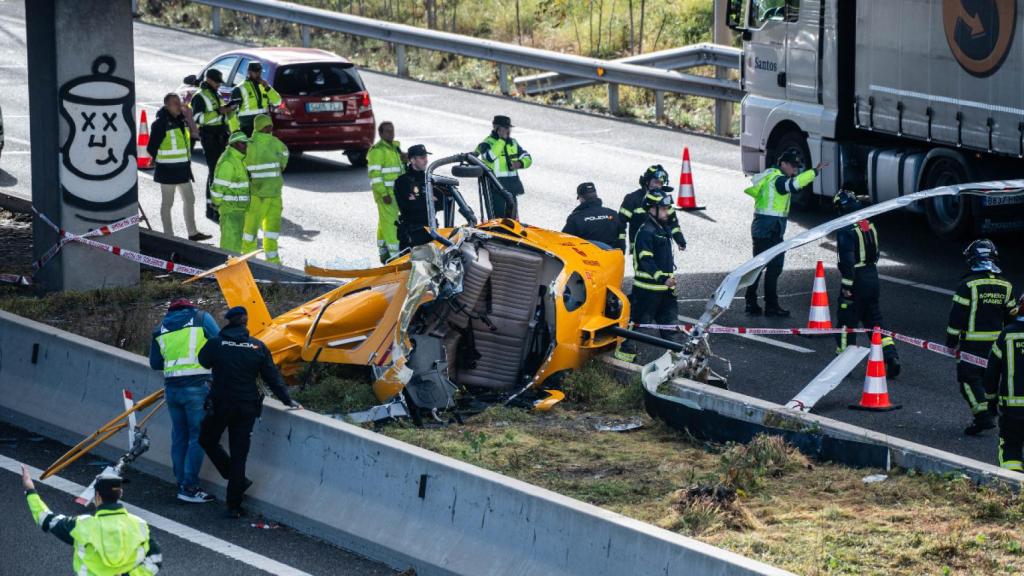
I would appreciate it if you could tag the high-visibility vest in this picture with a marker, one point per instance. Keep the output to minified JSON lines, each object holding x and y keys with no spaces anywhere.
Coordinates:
{"x":230,"y":187}
{"x":1008,"y":352}
{"x":108,"y":543}
{"x":175,"y":148}
{"x":211,"y":115}
{"x":180,"y":349}
{"x":265,"y":159}
{"x":256,"y":99}
{"x":988,"y":300}
{"x":501,"y":153}
{"x":767,"y":200}
{"x":384,"y":166}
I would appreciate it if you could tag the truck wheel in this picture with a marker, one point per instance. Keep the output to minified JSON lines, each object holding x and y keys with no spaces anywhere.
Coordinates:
{"x":357,"y":158}
{"x":794,"y":141}
{"x":948,"y":216}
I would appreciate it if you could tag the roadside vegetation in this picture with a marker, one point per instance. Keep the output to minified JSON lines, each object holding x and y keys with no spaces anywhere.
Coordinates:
{"x":763,"y":500}
{"x":600,"y":28}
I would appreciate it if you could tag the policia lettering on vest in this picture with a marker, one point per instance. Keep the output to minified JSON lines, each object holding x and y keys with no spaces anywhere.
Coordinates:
{"x":107,"y":542}
{"x":772,"y":191}
{"x":1004,"y":389}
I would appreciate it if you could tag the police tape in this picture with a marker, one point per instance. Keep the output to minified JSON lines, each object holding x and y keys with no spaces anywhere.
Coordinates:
{"x":916,"y":342}
{"x":16,"y":279}
{"x":86,"y":239}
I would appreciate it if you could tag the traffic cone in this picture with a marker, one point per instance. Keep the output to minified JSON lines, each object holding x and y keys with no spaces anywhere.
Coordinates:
{"x":686,"y":200}
{"x":876,"y":391}
{"x":145,"y":161}
{"x":819,"y":316}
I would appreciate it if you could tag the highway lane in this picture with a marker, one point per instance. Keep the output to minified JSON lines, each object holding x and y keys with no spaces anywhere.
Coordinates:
{"x":254,"y":550}
{"x":329,"y":214}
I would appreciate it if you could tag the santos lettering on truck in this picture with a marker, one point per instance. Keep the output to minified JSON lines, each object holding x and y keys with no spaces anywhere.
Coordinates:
{"x":898,"y":95}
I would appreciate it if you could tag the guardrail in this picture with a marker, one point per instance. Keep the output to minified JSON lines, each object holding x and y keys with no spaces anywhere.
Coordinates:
{"x":592,"y":70}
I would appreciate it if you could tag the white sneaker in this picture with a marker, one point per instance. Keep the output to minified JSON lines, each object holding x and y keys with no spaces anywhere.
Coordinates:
{"x":196,"y":496}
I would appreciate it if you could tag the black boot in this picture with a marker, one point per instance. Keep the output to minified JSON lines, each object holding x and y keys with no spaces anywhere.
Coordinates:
{"x":982,"y":422}
{"x":753,"y":309}
{"x":776,"y":311}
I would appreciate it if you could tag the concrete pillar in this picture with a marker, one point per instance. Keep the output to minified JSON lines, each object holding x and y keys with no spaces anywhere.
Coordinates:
{"x":401,"y":61}
{"x":613,"y":99}
{"x":81,"y":79}
{"x":722,"y":35}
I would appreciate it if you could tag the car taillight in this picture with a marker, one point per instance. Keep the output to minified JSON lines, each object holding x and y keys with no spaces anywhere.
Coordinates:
{"x":364,"y":103}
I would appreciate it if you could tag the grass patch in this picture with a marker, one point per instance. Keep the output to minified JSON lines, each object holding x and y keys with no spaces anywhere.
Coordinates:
{"x":338,"y":390}
{"x":596,"y":387}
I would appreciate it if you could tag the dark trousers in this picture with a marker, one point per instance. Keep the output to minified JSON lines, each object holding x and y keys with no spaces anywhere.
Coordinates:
{"x":238,"y":420}
{"x":500,"y":208}
{"x":863,"y":310}
{"x":971,"y":378}
{"x":214,"y":140}
{"x":1011,"y":443}
{"x":652,"y":307}
{"x":771,"y":273}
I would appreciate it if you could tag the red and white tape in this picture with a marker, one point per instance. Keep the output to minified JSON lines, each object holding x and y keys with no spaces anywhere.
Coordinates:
{"x":16,"y":279}
{"x":66,"y":237}
{"x":916,"y":342}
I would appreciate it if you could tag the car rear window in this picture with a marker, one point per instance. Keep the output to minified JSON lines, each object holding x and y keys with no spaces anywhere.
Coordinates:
{"x":318,"y":79}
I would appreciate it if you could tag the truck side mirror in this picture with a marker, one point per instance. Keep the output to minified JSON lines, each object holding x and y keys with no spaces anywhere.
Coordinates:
{"x":735,"y":11}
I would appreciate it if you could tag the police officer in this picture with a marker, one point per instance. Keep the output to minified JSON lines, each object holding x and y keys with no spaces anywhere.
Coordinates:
{"x":857,"y":248}
{"x":772,"y":191}
{"x":230,"y":192}
{"x":592,"y":221}
{"x":174,"y":350}
{"x":653,"y":296}
{"x":255,"y":96}
{"x":109,"y":541}
{"x":410,"y":193}
{"x":214,"y":119}
{"x":632,"y":211}
{"x":1004,"y":389}
{"x":170,"y":146}
{"x":981,"y":306}
{"x":385,"y":165}
{"x":265,"y":158}
{"x":505,"y":157}
{"x":235,"y":400}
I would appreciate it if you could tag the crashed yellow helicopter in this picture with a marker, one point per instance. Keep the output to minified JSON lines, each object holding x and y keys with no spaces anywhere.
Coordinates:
{"x":495,"y":311}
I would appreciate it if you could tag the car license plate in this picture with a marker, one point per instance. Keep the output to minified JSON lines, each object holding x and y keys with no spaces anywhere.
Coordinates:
{"x":325,"y":106}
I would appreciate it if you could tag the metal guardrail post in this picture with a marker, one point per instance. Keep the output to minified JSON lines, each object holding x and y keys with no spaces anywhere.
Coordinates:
{"x":503,"y":78}
{"x":215,"y":21}
{"x":659,"y":105}
{"x":613,"y":99}
{"x":135,"y":7}
{"x":401,"y":61}
{"x":305,"y":36}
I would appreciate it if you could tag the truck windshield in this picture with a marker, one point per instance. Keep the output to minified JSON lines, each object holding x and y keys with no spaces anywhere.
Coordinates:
{"x":318,"y":79}
{"x":764,"y":10}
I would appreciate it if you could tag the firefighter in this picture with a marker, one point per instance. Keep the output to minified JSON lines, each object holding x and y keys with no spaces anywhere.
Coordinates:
{"x":109,"y":541}
{"x":230,"y":192}
{"x":857,"y":247}
{"x":385,"y":165}
{"x":410,"y":188}
{"x":772,"y":191}
{"x":505,"y":157}
{"x":254,"y":96}
{"x":981,"y":306}
{"x":632,"y":213}
{"x":236,"y":401}
{"x":265,"y":158}
{"x":592,"y":221}
{"x":653,"y":297}
{"x":170,"y":146}
{"x":1004,"y":389}
{"x":214,"y":119}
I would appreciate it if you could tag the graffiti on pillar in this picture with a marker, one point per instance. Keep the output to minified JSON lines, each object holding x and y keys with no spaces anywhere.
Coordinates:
{"x":97,"y":159}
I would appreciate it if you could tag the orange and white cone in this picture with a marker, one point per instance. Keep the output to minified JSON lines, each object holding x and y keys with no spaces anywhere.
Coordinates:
{"x":819,"y":316}
{"x":687,"y":200}
{"x":876,"y":390}
{"x":145,"y":161}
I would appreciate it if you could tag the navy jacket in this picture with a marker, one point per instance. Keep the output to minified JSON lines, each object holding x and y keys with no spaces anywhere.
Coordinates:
{"x":236,"y":360}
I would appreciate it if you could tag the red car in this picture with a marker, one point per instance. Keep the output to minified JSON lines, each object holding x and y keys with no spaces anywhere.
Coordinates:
{"x":324,"y":104}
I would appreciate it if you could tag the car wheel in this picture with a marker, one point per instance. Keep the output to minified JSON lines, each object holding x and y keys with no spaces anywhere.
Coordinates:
{"x":357,"y":158}
{"x":794,"y":141}
{"x":948,"y":216}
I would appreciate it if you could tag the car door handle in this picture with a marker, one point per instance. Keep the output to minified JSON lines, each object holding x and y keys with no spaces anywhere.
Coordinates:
{"x":781,"y":79}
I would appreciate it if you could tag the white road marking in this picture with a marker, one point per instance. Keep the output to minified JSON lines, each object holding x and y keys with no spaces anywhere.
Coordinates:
{"x":17,"y":152}
{"x":920,"y":285}
{"x":762,"y":339}
{"x":178,"y":529}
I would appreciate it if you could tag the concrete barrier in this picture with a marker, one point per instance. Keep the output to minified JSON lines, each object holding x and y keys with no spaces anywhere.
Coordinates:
{"x":723,"y":416}
{"x":371,"y":494}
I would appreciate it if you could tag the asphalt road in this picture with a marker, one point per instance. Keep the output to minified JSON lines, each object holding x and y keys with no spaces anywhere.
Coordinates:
{"x":329,"y":214}
{"x":30,"y":551}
